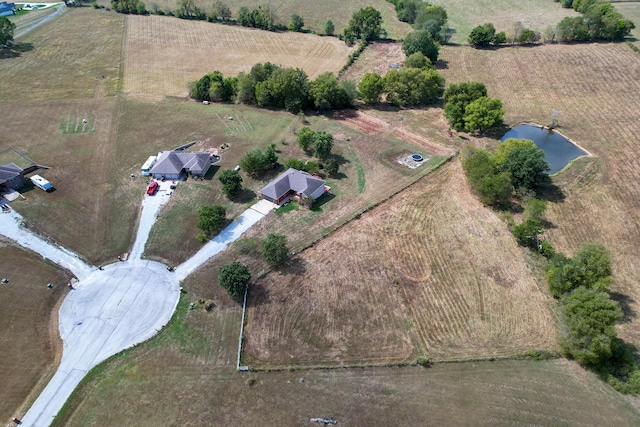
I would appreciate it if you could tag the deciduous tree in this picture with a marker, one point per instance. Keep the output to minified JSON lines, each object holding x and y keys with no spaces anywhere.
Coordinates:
{"x":322,"y":144}
{"x":420,"y":41}
{"x":527,"y":167}
{"x":234,"y":277}
{"x":482,"y":114}
{"x":370,"y":88}
{"x":231,"y":183}
{"x":6,"y":31}
{"x":210,"y":219}
{"x":274,"y":250}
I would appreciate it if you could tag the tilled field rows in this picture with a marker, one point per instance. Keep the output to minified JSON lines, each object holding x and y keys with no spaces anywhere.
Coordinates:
{"x":425,"y":268}
{"x":196,"y":48}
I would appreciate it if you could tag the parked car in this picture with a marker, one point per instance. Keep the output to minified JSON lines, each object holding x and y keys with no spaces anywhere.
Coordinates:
{"x":152,"y":188}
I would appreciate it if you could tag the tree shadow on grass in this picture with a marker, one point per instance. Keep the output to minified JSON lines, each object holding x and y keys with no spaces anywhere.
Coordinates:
{"x":550,"y":192}
{"x":213,"y":170}
{"x":15,"y":50}
{"x":325,"y":198}
{"x":258,"y":295}
{"x":245,"y":196}
{"x":624,"y":301}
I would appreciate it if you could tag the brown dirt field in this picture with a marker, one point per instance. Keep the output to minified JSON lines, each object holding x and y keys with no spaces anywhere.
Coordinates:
{"x":371,"y":124}
{"x":376,"y":58}
{"x":433,"y":269}
{"x":29,"y":342}
{"x":78,"y":47}
{"x":198,"y":47}
{"x":595,"y":87}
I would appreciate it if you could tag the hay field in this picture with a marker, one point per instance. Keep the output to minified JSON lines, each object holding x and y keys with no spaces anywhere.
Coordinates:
{"x":314,"y":13}
{"x":537,"y":15}
{"x":159,"y":391}
{"x":163,"y":54}
{"x":76,"y":55}
{"x":29,"y":342}
{"x":432,"y":276}
{"x":596,"y":88}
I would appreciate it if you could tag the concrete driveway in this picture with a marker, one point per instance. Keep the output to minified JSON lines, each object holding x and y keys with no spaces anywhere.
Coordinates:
{"x":117,"y":307}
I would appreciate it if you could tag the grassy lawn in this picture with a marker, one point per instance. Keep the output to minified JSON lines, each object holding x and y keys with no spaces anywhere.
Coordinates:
{"x":631,"y":10}
{"x":29,"y":342}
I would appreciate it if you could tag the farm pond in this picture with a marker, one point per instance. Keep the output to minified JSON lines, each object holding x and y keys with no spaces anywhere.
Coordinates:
{"x":558,"y":150}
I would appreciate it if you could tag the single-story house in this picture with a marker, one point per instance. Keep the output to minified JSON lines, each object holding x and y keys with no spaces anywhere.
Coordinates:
{"x":11,"y":177}
{"x":176,"y":165}
{"x":7,"y":9}
{"x":293,"y":183}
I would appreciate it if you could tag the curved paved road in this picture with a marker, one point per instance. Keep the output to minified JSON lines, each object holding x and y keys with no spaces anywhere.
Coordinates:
{"x":117,"y":307}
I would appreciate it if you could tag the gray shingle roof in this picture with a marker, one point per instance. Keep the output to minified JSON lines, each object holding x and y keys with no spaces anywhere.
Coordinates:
{"x":292,"y":179}
{"x":173,"y":162}
{"x":8,"y":171}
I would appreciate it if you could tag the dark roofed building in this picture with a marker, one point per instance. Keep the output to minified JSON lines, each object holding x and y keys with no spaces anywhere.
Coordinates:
{"x":293,"y":183}
{"x":178,"y":164}
{"x":11,"y":177}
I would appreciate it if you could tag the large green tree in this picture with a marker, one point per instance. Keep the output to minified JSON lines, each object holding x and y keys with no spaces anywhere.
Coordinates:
{"x":322,"y":144}
{"x":417,"y":60}
{"x":327,"y":93}
{"x":370,"y":88}
{"x":482,"y":35}
{"x":590,"y":316}
{"x":421,"y":41}
{"x":274,"y":249}
{"x":457,"y":97}
{"x":231,"y":183}
{"x":365,"y":24}
{"x":413,"y":86}
{"x":6,"y":31}
{"x":483,"y":114}
{"x":590,"y":267}
{"x":211,"y":219}
{"x":296,"y":23}
{"x":527,"y":167}
{"x":234,"y":277}
{"x":305,"y":138}
{"x":286,"y":88}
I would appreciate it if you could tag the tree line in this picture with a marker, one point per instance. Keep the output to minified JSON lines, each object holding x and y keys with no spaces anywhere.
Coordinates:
{"x":599,"y":21}
{"x":424,"y":16}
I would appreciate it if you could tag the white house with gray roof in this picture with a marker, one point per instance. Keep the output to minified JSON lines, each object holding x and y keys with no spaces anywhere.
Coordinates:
{"x":176,"y":165}
{"x":293,"y":183}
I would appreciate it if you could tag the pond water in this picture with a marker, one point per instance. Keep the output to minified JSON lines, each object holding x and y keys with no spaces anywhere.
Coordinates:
{"x":558,"y":150}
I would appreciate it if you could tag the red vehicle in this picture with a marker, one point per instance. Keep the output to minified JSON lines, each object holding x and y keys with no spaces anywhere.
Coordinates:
{"x":152,"y":188}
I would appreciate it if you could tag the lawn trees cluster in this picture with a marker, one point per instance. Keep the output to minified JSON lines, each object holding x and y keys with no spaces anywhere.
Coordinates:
{"x":468,"y":107}
{"x":6,"y":31}
{"x":234,"y":277}
{"x":417,"y":60}
{"x":484,"y":35}
{"x":210,"y":221}
{"x":404,"y":87}
{"x":320,"y":142}
{"x":599,"y":21}
{"x":262,"y":18}
{"x":365,"y":25}
{"x":133,"y":7}
{"x":421,"y":41}
{"x":518,"y":165}
{"x":231,"y":183}
{"x":256,"y":161}
{"x":275,"y":251}
{"x":270,"y":86}
{"x":590,"y":268}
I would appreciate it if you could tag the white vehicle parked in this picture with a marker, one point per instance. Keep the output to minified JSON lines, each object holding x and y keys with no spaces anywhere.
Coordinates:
{"x":42,"y":183}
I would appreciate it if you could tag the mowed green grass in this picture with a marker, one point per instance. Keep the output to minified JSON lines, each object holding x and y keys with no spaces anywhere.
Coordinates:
{"x":537,"y":15}
{"x":314,"y":13}
{"x":29,"y":343}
